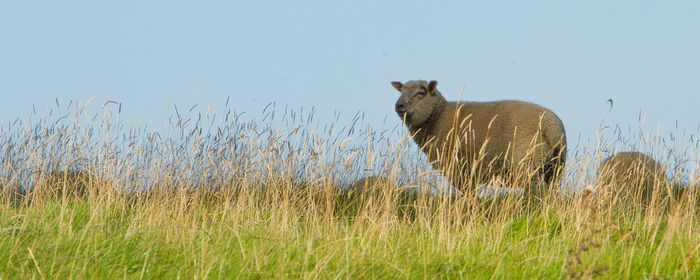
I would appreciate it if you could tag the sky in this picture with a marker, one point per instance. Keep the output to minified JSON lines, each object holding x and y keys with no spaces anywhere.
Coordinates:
{"x":569,"y":56}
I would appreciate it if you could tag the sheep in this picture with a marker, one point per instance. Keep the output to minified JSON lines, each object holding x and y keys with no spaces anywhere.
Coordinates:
{"x":370,"y":191}
{"x":631,"y":175}
{"x":475,"y":143}
{"x":70,"y":182}
{"x":371,"y":185}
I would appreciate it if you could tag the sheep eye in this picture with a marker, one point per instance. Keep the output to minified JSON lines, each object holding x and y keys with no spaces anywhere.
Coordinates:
{"x":421,"y":93}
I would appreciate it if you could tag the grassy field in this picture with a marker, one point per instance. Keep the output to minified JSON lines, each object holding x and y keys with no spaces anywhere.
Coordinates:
{"x":262,"y":200}
{"x":310,"y":235}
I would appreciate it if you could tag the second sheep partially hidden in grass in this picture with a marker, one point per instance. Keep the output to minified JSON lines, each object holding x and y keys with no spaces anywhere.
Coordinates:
{"x":631,"y":176}
{"x":371,"y":190}
{"x":372,"y":185}
{"x":474,"y":143}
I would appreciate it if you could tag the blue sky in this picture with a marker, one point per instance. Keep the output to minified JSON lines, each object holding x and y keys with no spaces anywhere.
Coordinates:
{"x":570,"y":56}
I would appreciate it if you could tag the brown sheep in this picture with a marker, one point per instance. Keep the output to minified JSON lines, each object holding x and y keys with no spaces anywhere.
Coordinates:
{"x":629,"y":175}
{"x":372,"y":185}
{"x":473,"y":143}
{"x":72,"y":183}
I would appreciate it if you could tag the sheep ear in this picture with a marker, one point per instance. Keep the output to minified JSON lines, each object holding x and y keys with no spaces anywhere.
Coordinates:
{"x":431,"y":87}
{"x":397,"y":85}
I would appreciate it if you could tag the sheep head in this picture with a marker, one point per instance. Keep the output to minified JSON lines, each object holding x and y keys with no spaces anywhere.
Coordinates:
{"x":418,"y":100}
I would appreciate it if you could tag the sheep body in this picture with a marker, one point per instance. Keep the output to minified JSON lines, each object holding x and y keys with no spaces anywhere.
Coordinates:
{"x":631,"y":175}
{"x":371,"y":185}
{"x":473,"y":143}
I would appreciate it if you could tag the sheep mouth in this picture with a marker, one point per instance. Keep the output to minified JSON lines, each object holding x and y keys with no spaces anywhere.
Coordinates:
{"x":405,"y":116}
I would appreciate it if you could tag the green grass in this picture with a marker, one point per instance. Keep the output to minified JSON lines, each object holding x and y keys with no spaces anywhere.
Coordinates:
{"x":161,"y":238}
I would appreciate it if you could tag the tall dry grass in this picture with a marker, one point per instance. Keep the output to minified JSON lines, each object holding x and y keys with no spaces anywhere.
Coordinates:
{"x":213,"y":196}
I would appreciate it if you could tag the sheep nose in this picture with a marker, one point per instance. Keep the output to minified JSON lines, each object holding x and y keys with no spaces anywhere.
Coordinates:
{"x":400,"y":107}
